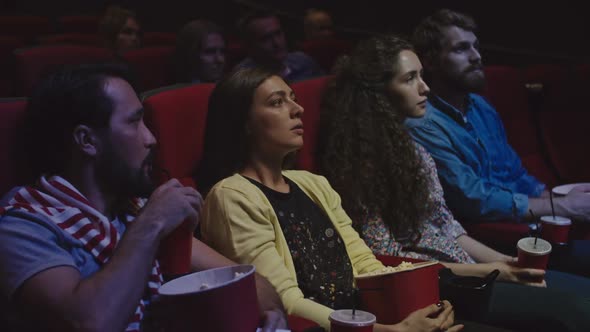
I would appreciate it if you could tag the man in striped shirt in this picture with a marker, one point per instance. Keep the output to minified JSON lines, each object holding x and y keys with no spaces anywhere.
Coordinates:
{"x":77,"y":248}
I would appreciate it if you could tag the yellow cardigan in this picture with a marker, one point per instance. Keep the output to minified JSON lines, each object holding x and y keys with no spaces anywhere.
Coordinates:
{"x":240,"y":223}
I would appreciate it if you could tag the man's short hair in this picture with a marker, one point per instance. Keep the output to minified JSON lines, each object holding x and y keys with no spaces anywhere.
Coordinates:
{"x":428,"y":34}
{"x":71,"y":96}
{"x":244,"y":22}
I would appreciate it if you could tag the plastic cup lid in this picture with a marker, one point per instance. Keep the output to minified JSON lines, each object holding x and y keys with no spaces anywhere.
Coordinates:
{"x":558,"y":220}
{"x":360,"y":318}
{"x":206,"y":280}
{"x":528,"y":245}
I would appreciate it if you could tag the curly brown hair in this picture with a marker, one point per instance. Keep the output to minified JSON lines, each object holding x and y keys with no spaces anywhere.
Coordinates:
{"x":364,"y":149}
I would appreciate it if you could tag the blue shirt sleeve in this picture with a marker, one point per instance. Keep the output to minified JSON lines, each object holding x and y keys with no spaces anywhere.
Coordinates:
{"x":27,"y":247}
{"x":466,"y":193}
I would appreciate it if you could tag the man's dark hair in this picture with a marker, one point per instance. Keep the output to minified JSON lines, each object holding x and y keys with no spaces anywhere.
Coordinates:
{"x":244,"y":22}
{"x":428,"y":34}
{"x":71,"y":96}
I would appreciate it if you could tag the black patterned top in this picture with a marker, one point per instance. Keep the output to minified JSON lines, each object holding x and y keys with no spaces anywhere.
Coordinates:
{"x":323,"y":269}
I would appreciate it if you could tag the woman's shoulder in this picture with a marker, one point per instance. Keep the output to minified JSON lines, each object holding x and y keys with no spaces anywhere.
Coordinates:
{"x":234,"y":186}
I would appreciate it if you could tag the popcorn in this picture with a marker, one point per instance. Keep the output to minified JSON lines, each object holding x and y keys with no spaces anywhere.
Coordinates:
{"x":401,"y":267}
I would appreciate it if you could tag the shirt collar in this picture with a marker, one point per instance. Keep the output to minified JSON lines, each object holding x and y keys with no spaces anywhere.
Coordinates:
{"x":451,"y":110}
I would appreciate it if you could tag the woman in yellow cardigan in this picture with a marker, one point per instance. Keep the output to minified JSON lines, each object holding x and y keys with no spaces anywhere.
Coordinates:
{"x":289,"y":224}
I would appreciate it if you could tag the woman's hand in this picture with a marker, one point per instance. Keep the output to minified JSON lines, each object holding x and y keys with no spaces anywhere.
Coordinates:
{"x":511,"y":273}
{"x":433,"y":318}
{"x":274,"y":319}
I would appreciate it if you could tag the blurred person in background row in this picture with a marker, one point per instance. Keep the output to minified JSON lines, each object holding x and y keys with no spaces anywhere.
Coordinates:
{"x":120,"y":30}
{"x":317,"y":24}
{"x":266,"y":46}
{"x":200,"y":53}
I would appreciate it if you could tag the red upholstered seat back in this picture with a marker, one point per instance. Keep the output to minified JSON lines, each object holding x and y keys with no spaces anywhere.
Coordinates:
{"x":72,"y":38}
{"x":78,"y":23}
{"x":12,"y":169}
{"x":28,"y":27}
{"x":152,"y":65}
{"x":7,"y":46}
{"x":507,"y":92}
{"x":309,"y":94}
{"x":326,"y":51}
{"x":155,"y":38}
{"x":555,"y":84}
{"x":566,"y":137}
{"x":176,"y":116}
{"x":34,"y":63}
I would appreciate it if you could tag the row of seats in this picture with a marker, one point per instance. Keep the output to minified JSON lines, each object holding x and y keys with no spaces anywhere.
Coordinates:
{"x":153,"y":64}
{"x":31,"y":26}
{"x":549,"y":145}
{"x":176,"y":115}
{"x":544,"y":117}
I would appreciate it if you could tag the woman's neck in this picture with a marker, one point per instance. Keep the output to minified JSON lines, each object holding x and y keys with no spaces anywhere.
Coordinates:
{"x":268,"y":172}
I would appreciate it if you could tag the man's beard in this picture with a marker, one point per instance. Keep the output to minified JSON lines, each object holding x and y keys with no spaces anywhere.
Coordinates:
{"x":120,"y":179}
{"x":471,"y":82}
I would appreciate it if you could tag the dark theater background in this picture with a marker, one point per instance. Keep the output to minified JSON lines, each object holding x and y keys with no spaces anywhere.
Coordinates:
{"x":515,"y":32}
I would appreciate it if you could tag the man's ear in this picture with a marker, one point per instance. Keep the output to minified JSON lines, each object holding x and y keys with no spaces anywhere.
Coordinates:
{"x":86,"y":140}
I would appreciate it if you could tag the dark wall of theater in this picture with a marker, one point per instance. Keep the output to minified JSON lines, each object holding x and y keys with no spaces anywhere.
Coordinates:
{"x":546,"y":30}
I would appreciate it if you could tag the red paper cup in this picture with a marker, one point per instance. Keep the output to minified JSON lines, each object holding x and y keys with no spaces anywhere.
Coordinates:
{"x":392,"y":297}
{"x":531,"y":255}
{"x":221,"y":299}
{"x":555,"y":229}
{"x":344,"y":321}
{"x":174,"y":253}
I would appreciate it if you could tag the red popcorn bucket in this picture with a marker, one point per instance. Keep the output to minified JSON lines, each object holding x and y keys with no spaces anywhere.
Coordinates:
{"x":174,"y":253}
{"x":393,"y":295}
{"x":345,"y":321}
{"x":555,"y":229}
{"x":221,"y":299}
{"x":533,"y":255}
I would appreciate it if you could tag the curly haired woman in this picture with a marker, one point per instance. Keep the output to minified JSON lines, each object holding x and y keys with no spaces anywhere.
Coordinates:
{"x":388,"y":183}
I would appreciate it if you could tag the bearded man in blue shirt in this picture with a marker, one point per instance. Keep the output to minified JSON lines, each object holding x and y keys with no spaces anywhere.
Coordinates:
{"x":482,"y":176}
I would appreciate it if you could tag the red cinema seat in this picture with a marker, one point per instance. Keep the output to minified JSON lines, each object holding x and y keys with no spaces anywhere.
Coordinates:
{"x":12,"y":168}
{"x":152,"y":65}
{"x":566,"y":137}
{"x":235,"y":52}
{"x":554,"y":85}
{"x":7,"y":46}
{"x":153,"y":38}
{"x":34,"y":63}
{"x":176,"y":115}
{"x":309,"y":95}
{"x":73,"y":38}
{"x":507,"y":92}
{"x":78,"y":23}
{"x":28,"y":27}
{"x":326,"y":51}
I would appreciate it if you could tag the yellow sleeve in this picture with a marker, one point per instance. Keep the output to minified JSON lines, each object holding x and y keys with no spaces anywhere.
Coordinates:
{"x":239,"y":226}
{"x":362,"y":258}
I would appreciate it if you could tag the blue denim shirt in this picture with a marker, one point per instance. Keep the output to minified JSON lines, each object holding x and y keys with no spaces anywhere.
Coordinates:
{"x":482,"y":176}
